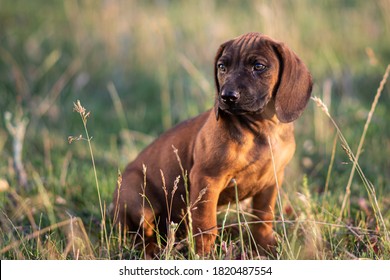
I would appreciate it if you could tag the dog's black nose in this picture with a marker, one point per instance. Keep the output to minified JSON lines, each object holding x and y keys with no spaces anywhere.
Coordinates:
{"x":230,"y":96}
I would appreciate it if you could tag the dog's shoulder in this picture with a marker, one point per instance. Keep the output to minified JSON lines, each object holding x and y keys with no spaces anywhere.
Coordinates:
{"x":191,"y":125}
{"x":181,"y":137}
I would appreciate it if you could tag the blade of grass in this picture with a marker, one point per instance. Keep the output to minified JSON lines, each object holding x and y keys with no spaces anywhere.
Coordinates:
{"x":367,"y":184}
{"x":38,"y":233}
{"x":84,"y":117}
{"x":279,"y":200}
{"x":223,"y":230}
{"x":117,"y":105}
{"x":239,"y":220}
{"x":363,"y":137}
{"x":329,"y":170}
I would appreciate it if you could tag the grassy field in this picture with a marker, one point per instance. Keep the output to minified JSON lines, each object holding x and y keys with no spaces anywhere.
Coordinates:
{"x":140,"y":67}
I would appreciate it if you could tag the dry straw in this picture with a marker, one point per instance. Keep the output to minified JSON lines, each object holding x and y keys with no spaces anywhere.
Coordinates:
{"x":362,"y":138}
{"x":355,"y":157}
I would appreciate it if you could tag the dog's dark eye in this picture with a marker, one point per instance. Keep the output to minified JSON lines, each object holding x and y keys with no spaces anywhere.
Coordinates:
{"x":221,"y":67}
{"x":259,"y":67}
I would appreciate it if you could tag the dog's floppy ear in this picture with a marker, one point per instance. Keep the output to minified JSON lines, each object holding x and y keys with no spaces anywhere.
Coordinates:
{"x":294,"y":85}
{"x":217,"y":56}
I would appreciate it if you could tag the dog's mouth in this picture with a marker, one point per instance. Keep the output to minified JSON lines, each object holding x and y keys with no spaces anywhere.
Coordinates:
{"x":234,"y":110}
{"x":241,"y":109}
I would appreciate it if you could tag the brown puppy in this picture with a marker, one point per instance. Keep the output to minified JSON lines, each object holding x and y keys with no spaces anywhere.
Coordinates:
{"x":262,"y":86}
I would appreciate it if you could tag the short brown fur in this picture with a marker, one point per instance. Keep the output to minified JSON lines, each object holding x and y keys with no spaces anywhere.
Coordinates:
{"x":262,"y":86}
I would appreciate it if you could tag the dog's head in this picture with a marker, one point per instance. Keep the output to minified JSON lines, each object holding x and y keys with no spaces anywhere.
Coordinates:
{"x":253,"y":69}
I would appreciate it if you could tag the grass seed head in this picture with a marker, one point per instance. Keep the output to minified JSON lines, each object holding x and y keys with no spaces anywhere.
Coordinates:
{"x":77,"y":107}
{"x":321,"y":104}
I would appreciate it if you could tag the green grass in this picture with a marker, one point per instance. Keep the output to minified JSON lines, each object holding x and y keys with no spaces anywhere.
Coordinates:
{"x":140,"y":67}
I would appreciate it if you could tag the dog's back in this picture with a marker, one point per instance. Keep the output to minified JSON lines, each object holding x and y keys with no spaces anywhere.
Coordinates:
{"x":142,"y":190}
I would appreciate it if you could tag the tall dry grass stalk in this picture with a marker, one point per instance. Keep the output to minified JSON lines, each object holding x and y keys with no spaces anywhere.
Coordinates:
{"x":221,"y":236}
{"x":117,"y":105}
{"x":77,"y":107}
{"x":172,"y":227}
{"x":144,"y":200}
{"x":187,"y":214}
{"x":279,"y":202}
{"x":243,"y":255}
{"x":362,"y":138}
{"x":328,"y":175}
{"x":354,"y":159}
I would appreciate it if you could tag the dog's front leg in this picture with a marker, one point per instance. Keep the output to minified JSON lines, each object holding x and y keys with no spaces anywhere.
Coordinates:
{"x":204,"y":196}
{"x":263,"y":208}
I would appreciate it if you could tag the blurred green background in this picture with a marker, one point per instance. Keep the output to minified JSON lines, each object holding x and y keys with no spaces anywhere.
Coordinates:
{"x":140,"y":67}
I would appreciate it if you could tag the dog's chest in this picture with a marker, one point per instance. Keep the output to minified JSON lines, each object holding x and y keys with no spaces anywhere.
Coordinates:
{"x":258,"y":163}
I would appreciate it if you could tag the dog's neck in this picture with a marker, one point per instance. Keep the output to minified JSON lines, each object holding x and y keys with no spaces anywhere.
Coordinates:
{"x":269,"y":113}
